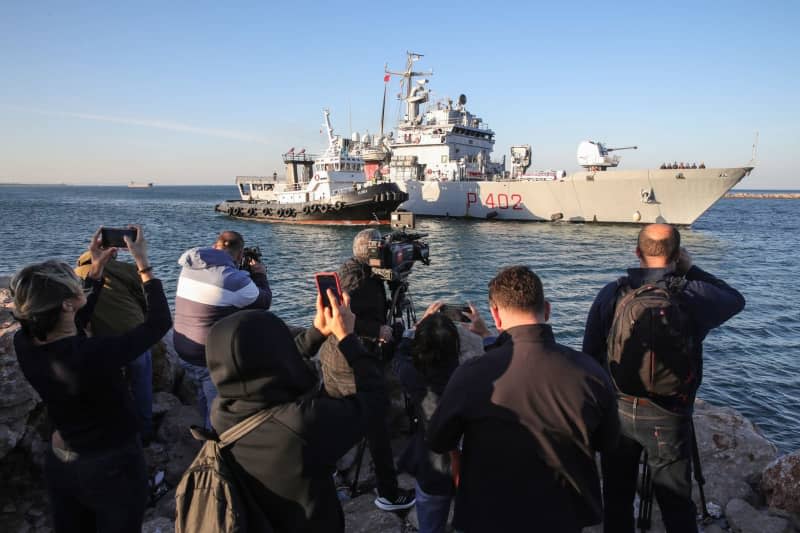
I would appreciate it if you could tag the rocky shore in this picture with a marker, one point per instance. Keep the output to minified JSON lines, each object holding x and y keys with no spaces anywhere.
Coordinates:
{"x":749,"y":488}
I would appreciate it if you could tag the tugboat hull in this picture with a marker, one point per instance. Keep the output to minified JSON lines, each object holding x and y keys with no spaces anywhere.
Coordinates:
{"x":368,"y":205}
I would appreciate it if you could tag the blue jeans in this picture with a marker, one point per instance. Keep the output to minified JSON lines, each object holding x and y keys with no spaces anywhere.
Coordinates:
{"x":667,"y":438}
{"x":206,"y":391}
{"x":432,"y":510}
{"x":140,"y":373}
{"x":104,"y":491}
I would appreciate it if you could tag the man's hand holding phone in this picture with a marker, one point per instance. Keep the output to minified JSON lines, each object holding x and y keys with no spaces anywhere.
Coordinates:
{"x":333,"y":307}
{"x":336,"y":319}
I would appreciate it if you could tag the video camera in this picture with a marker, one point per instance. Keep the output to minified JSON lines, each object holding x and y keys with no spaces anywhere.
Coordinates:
{"x":392,"y":257}
{"x":253,"y":253}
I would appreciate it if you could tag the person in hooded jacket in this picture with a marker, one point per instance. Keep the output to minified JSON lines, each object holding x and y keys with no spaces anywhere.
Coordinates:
{"x":288,"y":461}
{"x":210,"y":287}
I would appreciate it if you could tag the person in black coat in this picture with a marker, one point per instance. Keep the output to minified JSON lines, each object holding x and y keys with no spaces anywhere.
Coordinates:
{"x":369,"y":304}
{"x":531,"y":413}
{"x":95,"y":470}
{"x":288,"y":462}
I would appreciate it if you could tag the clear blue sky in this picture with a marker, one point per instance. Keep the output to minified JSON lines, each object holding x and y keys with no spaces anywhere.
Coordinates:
{"x":198,"y":92}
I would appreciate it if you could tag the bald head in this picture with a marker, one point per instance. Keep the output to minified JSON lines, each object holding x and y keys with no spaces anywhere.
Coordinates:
{"x":659,"y":245}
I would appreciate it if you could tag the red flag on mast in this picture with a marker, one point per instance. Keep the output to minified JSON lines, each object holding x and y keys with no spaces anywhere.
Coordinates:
{"x":386,"y":78}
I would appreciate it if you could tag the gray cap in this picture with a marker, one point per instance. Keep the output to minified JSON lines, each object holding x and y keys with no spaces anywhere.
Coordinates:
{"x":361,"y":242}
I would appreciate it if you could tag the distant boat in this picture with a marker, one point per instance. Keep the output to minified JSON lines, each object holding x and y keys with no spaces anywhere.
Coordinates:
{"x":140,"y":185}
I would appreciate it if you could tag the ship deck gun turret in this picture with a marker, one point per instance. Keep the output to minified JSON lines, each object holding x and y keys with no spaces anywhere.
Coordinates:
{"x":593,"y":155}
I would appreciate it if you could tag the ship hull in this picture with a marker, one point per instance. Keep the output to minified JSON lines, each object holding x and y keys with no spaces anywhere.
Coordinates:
{"x":615,"y":196}
{"x":371,"y":205}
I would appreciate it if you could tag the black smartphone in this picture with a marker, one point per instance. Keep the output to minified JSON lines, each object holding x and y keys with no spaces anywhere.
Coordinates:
{"x":325,"y":281}
{"x":113,"y":237}
{"x":455,"y":312}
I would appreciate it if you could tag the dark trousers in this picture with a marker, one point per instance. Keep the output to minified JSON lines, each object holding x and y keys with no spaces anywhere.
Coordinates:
{"x":380,"y":448}
{"x":103,"y":491}
{"x":667,"y":438}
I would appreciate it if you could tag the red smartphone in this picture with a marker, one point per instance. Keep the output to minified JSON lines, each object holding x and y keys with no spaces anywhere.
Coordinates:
{"x":325,"y":281}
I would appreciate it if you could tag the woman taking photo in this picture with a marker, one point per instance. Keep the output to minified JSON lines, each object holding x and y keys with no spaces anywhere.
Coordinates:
{"x":95,"y":472}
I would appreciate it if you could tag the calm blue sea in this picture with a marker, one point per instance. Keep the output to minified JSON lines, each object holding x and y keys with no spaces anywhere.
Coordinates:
{"x":752,"y":362}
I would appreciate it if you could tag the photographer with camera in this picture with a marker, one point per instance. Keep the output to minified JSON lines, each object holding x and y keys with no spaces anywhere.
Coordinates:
{"x":369,"y":304}
{"x":214,"y":283}
{"x":95,"y":471}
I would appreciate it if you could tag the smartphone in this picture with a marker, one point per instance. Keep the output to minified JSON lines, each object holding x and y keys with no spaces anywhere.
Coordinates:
{"x":325,"y":281}
{"x":113,"y":237}
{"x":455,"y":312}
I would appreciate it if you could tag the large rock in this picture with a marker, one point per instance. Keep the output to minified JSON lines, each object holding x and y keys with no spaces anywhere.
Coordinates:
{"x":743,"y":518}
{"x":163,"y":402}
{"x":17,"y":397}
{"x":780,"y":483}
{"x":167,"y":371}
{"x":179,"y":445}
{"x":175,"y":426}
{"x":361,"y":516}
{"x":159,"y":525}
{"x":733,"y":452}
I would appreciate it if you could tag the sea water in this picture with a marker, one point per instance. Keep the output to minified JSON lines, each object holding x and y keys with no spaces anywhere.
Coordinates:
{"x":752,"y":362}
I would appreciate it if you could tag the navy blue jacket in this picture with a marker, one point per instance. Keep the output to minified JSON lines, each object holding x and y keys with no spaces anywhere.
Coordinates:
{"x":708,"y":300}
{"x":532,"y":413}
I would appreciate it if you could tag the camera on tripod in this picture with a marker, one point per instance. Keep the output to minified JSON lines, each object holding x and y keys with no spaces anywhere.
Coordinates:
{"x":248,"y":254}
{"x":392,"y":257}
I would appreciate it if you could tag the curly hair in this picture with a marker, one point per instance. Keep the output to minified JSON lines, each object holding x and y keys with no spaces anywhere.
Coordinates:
{"x":38,"y":291}
{"x":517,"y":287}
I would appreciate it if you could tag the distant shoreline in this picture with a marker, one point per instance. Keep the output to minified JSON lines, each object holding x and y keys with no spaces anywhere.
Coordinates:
{"x":763,"y":195}
{"x":748,"y":194}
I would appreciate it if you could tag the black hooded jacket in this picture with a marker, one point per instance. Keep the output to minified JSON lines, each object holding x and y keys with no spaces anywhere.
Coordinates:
{"x":289,"y":460}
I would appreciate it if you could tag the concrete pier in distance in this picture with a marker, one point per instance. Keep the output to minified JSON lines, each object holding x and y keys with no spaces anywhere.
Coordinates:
{"x":764,"y":195}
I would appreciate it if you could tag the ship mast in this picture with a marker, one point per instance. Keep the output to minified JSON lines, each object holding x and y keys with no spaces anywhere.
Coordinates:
{"x":412,"y":100}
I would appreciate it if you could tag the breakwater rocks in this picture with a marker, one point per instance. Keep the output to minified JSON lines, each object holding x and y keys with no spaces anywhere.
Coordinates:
{"x":748,"y":487}
{"x":764,"y":195}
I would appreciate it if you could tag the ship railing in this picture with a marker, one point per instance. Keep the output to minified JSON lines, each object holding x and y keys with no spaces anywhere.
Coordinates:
{"x":298,"y":158}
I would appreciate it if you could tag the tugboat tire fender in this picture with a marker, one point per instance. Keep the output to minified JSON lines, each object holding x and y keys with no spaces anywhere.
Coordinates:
{"x":266,"y":211}
{"x":281,"y":212}
{"x":323,"y":208}
{"x":230,"y":210}
{"x":292,"y":212}
{"x":338,"y":206}
{"x":306,"y":209}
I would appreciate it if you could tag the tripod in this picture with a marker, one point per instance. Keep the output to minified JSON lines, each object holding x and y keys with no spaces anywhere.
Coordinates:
{"x":643,"y":520}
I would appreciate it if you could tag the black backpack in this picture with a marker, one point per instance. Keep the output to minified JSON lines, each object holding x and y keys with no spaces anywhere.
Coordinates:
{"x":210,"y":496}
{"x":651,"y":348}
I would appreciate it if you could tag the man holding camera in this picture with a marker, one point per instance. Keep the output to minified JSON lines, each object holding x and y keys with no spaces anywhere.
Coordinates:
{"x":531,"y":413}
{"x":647,"y":329}
{"x":214,"y":283}
{"x":368,"y":303}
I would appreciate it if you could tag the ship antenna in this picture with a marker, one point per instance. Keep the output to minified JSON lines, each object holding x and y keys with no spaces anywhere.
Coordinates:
{"x":755,"y":148}
{"x":386,"y":78}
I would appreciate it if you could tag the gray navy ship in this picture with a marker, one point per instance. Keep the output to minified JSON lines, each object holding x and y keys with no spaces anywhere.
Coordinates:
{"x":441,"y":157}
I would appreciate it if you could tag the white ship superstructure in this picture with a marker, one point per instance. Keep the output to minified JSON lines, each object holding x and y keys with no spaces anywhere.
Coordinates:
{"x":441,"y":156}
{"x":326,"y":189}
